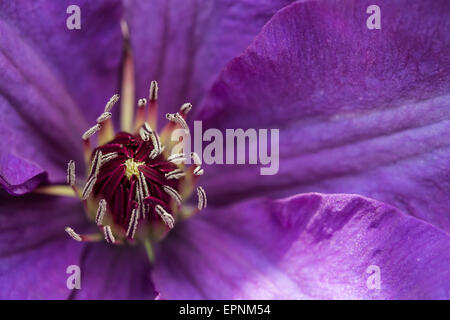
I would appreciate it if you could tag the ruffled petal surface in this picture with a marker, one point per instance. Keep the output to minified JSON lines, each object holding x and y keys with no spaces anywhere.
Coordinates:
{"x":359,"y":111}
{"x":52,"y":80}
{"x":21,"y":181}
{"x":311,"y":246}
{"x":35,"y":251}
{"x":183,"y":44}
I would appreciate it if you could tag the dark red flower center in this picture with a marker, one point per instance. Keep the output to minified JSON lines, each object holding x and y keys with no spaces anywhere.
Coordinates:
{"x":136,"y":187}
{"x":130,"y":179}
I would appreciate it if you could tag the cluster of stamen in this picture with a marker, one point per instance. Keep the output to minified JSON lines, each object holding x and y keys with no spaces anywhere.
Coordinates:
{"x":132,"y":181}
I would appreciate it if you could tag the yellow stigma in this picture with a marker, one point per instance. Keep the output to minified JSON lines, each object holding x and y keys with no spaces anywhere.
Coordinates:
{"x":132,"y":168}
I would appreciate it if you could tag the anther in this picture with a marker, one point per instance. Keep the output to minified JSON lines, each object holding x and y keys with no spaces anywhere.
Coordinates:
{"x":157,"y":149}
{"x":111,"y":102}
{"x":140,"y":198}
{"x":75,"y":236}
{"x":109,"y":237}
{"x":202,"y":202}
{"x":71,"y":173}
{"x":109,"y":156}
{"x":153,"y":94}
{"x":147,"y":127}
{"x":100,"y":212}
{"x":145,"y":132}
{"x":165,"y":216}
{"x":177,"y":118}
{"x":146,"y":193}
{"x":185,"y":108}
{"x":142,"y":102}
{"x":91,"y":131}
{"x":104,"y":116}
{"x":173,"y":194}
{"x":175,"y":174}
{"x":177,"y":158}
{"x":144,"y":135}
{"x":196,"y":158}
{"x":96,"y":164}
{"x":92,"y":177}
{"x":198,"y":171}
{"x":144,"y":184}
{"x":88,"y":188}
{"x":133,"y":224}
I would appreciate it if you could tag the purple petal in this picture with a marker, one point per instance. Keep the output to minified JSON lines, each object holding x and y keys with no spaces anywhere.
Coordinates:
{"x":51,"y":77}
{"x":308,"y":246}
{"x":184,"y":44}
{"x":86,"y":60}
{"x":359,"y":111}
{"x":114,"y":273}
{"x":19,"y":182}
{"x":35,"y":251}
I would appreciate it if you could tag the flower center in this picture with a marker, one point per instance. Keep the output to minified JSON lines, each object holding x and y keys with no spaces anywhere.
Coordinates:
{"x":134,"y":187}
{"x":132,"y":168}
{"x":133,"y":177}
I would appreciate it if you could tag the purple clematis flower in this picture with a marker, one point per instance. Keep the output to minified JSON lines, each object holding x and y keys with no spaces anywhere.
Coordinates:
{"x":364,"y":118}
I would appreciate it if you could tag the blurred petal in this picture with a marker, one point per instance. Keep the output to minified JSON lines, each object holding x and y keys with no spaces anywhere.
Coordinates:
{"x":48,"y":74}
{"x":183,"y":44}
{"x":35,"y":251}
{"x":308,"y":246}
{"x":359,"y":111}
{"x":85,"y":60}
{"x":114,"y":273}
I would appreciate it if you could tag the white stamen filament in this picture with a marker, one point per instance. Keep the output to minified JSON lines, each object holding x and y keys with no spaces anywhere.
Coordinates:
{"x":140,"y":198}
{"x":173,"y":194}
{"x":165,"y":216}
{"x":177,"y":158}
{"x":71,"y":173}
{"x":142,"y":102}
{"x":111,"y":102}
{"x":185,"y":108}
{"x":196,"y":158}
{"x":202,"y":201}
{"x":143,"y":134}
{"x":109,"y":156}
{"x":175,"y":174}
{"x":155,"y":153}
{"x":133,"y":224}
{"x":156,"y":145}
{"x":100,"y":212}
{"x":104,"y":116}
{"x":147,"y":127}
{"x":198,"y":171}
{"x":145,"y":131}
{"x":109,"y":237}
{"x":144,"y":184}
{"x":146,"y":193}
{"x":75,"y":236}
{"x":96,"y":164}
{"x":178,"y":119}
{"x":153,"y":94}
{"x":92,"y":177}
{"x":88,"y":187}
{"x":91,"y":131}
